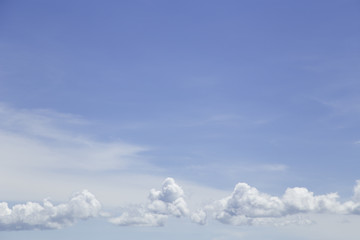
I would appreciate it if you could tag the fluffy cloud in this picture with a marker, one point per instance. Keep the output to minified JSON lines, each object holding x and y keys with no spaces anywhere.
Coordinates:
{"x":247,"y":206}
{"x":30,"y":216}
{"x":169,"y":201}
{"x":244,"y":206}
{"x":199,"y":217}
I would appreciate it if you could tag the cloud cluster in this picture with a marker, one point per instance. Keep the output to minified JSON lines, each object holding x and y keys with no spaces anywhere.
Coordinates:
{"x":247,"y":206}
{"x":169,"y":201}
{"x":31,"y":216}
{"x":244,"y":206}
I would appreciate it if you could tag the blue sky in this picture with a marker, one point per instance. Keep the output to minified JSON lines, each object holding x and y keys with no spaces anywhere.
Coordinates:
{"x":117,"y":96}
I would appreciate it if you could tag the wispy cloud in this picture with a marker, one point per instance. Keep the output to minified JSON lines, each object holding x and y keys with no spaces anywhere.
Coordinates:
{"x":46,"y":142}
{"x":45,"y":149}
{"x":243,"y":167}
{"x":41,"y":123}
{"x":42,"y":148}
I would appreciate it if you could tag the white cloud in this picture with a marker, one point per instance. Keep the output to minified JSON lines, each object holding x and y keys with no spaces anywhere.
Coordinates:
{"x":139,"y":217}
{"x":38,"y":148}
{"x":46,"y":149}
{"x":30,"y":216}
{"x":47,"y":140}
{"x":169,"y":201}
{"x":357,"y":191}
{"x":199,"y":217}
{"x":247,"y":206}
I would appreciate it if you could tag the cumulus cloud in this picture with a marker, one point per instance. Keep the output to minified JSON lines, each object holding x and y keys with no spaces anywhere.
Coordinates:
{"x":169,"y":201}
{"x":247,"y":206}
{"x":31,"y":216}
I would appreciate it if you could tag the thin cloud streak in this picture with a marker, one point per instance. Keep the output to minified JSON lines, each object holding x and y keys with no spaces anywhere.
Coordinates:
{"x":33,"y":144}
{"x":45,"y":142}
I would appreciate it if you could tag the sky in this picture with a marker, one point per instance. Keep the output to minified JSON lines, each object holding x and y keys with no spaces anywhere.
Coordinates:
{"x":214,"y":120}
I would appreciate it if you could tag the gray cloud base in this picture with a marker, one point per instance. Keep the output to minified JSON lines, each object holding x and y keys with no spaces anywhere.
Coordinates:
{"x":31,"y":216}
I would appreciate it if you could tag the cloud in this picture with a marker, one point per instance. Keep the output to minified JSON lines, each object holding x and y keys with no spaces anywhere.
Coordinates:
{"x":247,"y":206}
{"x":169,"y":201}
{"x":31,"y":216}
{"x":48,"y":140}
{"x":45,"y":149}
{"x":357,"y":191}
{"x":139,"y":217}
{"x":199,"y":217}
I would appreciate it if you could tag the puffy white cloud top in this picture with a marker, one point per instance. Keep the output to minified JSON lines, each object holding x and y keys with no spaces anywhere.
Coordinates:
{"x":247,"y":206}
{"x":244,"y":206}
{"x":30,"y":216}
{"x":169,"y":201}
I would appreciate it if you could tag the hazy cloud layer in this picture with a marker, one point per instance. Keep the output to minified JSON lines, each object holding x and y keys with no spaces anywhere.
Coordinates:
{"x":45,"y":149}
{"x":247,"y":206}
{"x":31,"y":216}
{"x":169,"y":201}
{"x":48,"y":140}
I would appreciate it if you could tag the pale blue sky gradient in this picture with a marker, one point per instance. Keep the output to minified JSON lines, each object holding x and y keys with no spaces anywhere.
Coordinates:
{"x":215,"y":92}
